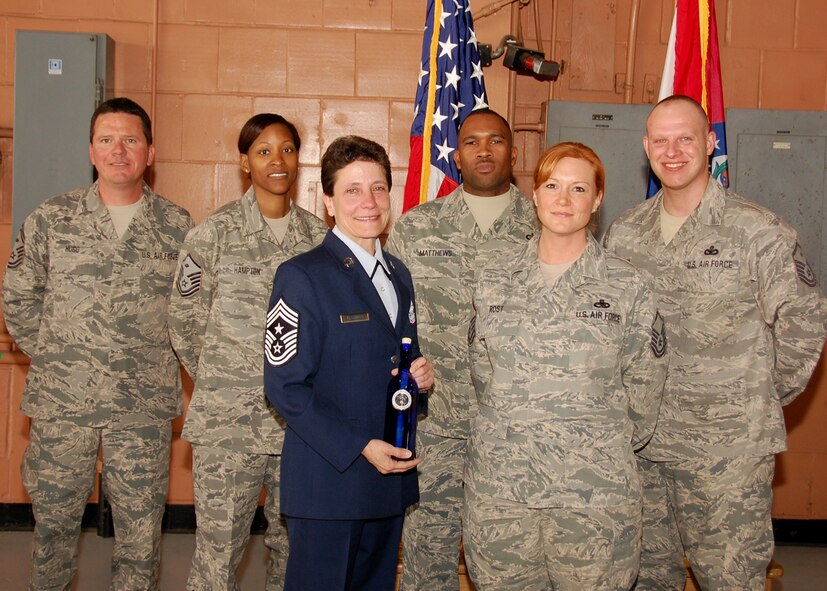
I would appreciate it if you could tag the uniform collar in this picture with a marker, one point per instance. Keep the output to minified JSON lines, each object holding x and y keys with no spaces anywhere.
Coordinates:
{"x":91,"y":202}
{"x":363,"y":287}
{"x":254,"y":222}
{"x":367,"y":260}
{"x":713,"y":203}
{"x":710,"y":211}
{"x":590,"y":265}
{"x":518,"y":214}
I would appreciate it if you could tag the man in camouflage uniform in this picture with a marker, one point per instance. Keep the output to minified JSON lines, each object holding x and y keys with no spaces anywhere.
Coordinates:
{"x":217,"y":318}
{"x":444,"y":247}
{"x":745,"y":324}
{"x":86,"y":295}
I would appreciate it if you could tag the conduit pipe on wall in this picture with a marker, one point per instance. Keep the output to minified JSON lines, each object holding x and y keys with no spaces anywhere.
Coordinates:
{"x":490,"y":9}
{"x":535,"y":4}
{"x":512,"y":74}
{"x":539,"y":127}
{"x":631,"y":48}
{"x":153,"y":77}
{"x":552,"y":88}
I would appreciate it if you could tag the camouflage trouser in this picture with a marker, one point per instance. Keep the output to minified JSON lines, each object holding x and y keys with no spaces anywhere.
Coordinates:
{"x":661,"y":561}
{"x":512,"y":547}
{"x":227,"y":487}
{"x":722,"y":510}
{"x":433,"y":528}
{"x":59,"y":471}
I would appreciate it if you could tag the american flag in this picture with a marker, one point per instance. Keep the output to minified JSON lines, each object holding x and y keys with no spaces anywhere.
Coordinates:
{"x":450,"y":86}
{"x":693,"y":68}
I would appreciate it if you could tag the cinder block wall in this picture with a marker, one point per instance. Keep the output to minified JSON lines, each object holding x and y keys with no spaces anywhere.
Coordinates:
{"x":351,"y":66}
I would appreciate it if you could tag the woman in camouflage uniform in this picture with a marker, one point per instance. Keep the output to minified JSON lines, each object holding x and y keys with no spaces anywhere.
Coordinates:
{"x":567,"y":353}
{"x":217,"y":319}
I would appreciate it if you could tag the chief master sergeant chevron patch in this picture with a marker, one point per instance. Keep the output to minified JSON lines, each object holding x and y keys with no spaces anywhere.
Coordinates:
{"x":281,"y":339}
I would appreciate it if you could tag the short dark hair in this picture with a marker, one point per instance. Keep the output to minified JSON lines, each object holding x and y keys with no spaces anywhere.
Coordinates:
{"x":122,"y":105}
{"x":346,"y":150}
{"x":258,"y":123}
{"x":486,"y":111}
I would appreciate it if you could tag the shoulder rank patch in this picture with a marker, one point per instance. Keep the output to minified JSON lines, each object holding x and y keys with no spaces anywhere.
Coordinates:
{"x":189,"y":278}
{"x":658,"y":342}
{"x":281,"y":339}
{"x":802,"y":267}
{"x":18,"y":250}
{"x":472,"y":330}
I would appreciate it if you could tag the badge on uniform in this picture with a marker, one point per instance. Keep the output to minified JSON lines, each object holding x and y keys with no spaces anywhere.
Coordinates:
{"x":802,"y":267}
{"x":281,"y":339}
{"x":357,"y":317}
{"x":189,"y":277}
{"x":658,"y":341}
{"x":18,"y":250}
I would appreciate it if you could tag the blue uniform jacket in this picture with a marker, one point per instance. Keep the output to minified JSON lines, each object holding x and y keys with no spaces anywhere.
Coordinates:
{"x":329,"y":351}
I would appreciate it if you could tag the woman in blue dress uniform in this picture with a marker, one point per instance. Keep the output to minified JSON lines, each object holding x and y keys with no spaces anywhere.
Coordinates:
{"x":337,"y":316}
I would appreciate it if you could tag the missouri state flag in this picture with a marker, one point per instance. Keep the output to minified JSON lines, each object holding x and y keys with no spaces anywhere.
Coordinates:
{"x":450,"y":86}
{"x":693,"y":68}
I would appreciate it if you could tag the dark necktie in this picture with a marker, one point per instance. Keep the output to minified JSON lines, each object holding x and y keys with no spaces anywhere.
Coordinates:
{"x":376,"y":268}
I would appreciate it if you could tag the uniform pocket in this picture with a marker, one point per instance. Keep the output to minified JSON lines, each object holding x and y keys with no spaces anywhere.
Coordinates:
{"x":711,"y":399}
{"x":29,"y":468}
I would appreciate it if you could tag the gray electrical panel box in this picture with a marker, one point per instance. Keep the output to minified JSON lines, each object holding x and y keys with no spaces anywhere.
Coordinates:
{"x":59,"y":80}
{"x":615,"y":132}
{"x":779,"y":159}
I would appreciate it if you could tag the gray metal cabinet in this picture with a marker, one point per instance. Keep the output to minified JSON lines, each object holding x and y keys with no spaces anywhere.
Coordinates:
{"x":59,"y":80}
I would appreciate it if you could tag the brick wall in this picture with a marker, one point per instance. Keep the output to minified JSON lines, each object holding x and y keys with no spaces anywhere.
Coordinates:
{"x":350,"y":66}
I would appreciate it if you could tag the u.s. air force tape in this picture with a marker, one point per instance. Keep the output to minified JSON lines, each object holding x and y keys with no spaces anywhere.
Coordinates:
{"x":189,"y":277}
{"x":281,"y":339}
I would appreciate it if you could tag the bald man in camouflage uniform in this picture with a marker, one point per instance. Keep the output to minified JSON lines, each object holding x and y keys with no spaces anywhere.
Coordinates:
{"x":87,"y":299}
{"x":443,"y":247}
{"x":569,"y":381}
{"x":217,"y":319}
{"x":745,"y":324}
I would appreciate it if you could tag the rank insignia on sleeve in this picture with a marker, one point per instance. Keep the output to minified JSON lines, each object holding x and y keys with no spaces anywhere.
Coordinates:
{"x":189,"y":277}
{"x":802,"y":267}
{"x":658,"y":342}
{"x":18,"y":250}
{"x":281,"y":339}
